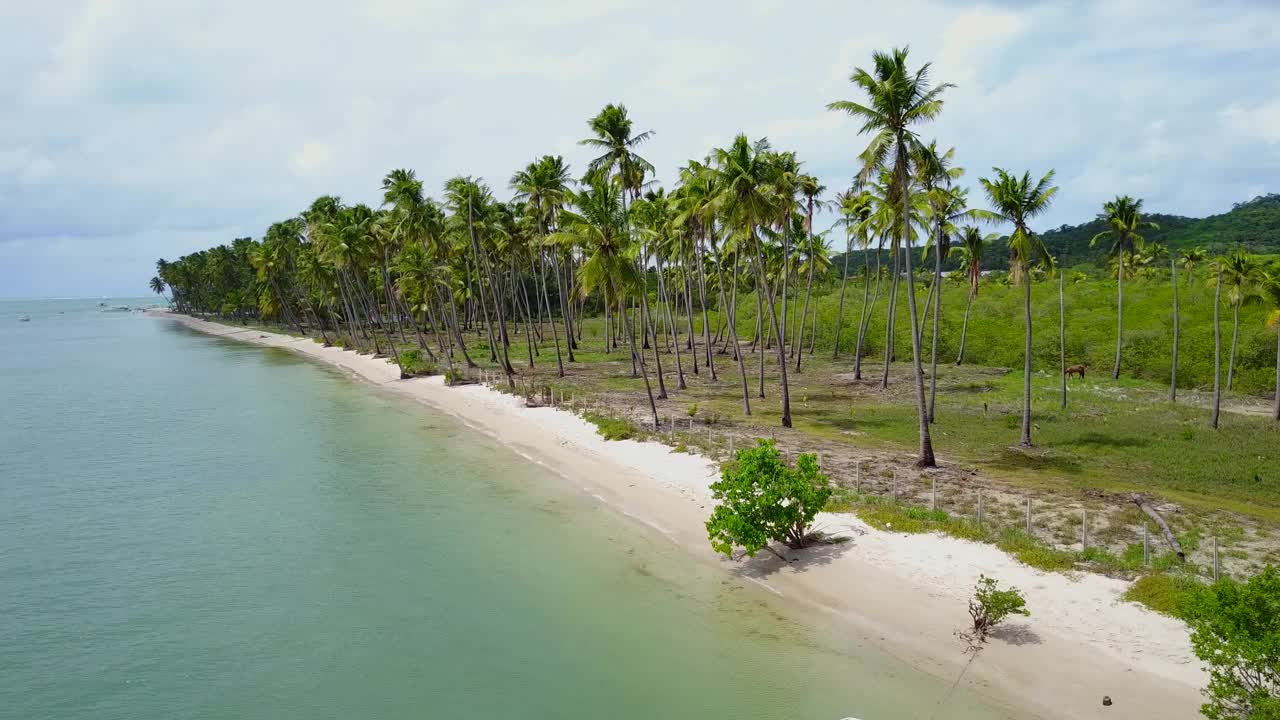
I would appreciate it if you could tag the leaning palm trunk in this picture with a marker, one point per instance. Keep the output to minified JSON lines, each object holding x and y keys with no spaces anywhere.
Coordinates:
{"x":450,"y":307}
{"x":964,"y":328}
{"x":1026,"y":358}
{"x":936,"y":293}
{"x":635,"y":353}
{"x":702,"y":300}
{"x":546,"y":301}
{"x":1062,"y":339}
{"x":564,"y":309}
{"x":1217,"y":353}
{"x":733,"y":333}
{"x":888,"y":325}
{"x":1173,"y":371}
{"x":664,"y":301}
{"x":1115,"y":373}
{"x":1275,"y":404}
{"x":649,"y":328}
{"x":782,"y":350}
{"x":808,"y":289}
{"x":864,"y":315}
{"x":1235,"y":334}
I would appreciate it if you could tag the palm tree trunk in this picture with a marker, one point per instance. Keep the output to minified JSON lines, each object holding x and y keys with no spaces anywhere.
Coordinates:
{"x":733,"y":332}
{"x":1115,"y":374}
{"x":1217,"y":353}
{"x":452,"y":321}
{"x":649,"y":327}
{"x":964,"y":329}
{"x":546,"y":301}
{"x":1235,"y":334}
{"x":936,"y":293}
{"x":888,"y":326}
{"x":1062,"y":339}
{"x":773,"y":315}
{"x":1173,"y":372}
{"x":635,"y":353}
{"x":702,"y":300}
{"x":688,"y":304}
{"x":808,"y":289}
{"x":1275,"y":404}
{"x":564,"y":309}
{"x":1026,"y":359}
{"x":865,"y":313}
{"x":664,"y":301}
{"x":926,"y":458}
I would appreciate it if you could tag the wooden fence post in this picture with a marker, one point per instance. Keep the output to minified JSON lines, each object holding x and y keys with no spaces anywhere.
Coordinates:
{"x":979,"y":507}
{"x":1215,"y":559}
{"x":1028,"y":514}
{"x":933,"y":494}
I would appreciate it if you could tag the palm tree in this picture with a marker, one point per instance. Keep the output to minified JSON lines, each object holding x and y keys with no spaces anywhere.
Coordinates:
{"x":898,"y":100}
{"x":1173,"y":367}
{"x":1123,"y":217}
{"x":972,"y":244}
{"x":1017,"y":200}
{"x":847,"y":204}
{"x":1191,"y":258}
{"x":1217,"y":345}
{"x":544,"y":187}
{"x":748,"y":199}
{"x":811,"y":189}
{"x":157,"y":287}
{"x":597,"y":225}
{"x":1243,"y":277}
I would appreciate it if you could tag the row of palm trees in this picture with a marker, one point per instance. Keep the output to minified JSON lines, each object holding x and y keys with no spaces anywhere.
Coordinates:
{"x":738,"y":225}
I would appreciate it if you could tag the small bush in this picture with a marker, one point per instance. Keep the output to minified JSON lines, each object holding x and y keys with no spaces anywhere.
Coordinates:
{"x":412,"y":363}
{"x":693,"y":410}
{"x":763,"y":499}
{"x":1171,"y":594}
{"x":610,"y":428}
{"x":991,"y":606}
{"x":1236,"y":632}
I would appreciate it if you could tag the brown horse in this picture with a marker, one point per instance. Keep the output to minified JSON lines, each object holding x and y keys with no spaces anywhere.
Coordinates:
{"x":1077,"y":370}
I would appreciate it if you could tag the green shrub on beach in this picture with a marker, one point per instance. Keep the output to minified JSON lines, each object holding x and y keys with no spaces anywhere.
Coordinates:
{"x":1172,"y":594}
{"x":412,"y":363}
{"x":610,"y":428}
{"x":1236,"y":633}
{"x":762,"y":499}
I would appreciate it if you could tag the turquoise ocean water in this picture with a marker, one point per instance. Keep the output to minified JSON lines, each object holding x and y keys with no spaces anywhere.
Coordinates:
{"x":195,"y":528}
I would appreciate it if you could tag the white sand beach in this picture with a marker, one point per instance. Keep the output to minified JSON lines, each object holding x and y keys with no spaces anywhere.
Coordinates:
{"x":905,"y":593}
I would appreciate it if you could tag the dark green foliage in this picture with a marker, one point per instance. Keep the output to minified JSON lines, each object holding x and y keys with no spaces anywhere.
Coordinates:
{"x":762,"y":499}
{"x":1254,"y":225}
{"x":1236,"y":632}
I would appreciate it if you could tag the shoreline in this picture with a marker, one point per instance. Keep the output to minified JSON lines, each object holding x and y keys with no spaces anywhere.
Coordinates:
{"x":905,"y":593}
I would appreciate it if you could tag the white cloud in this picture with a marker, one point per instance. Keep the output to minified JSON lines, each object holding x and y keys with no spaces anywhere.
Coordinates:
{"x":313,"y":156}
{"x":150,"y":126}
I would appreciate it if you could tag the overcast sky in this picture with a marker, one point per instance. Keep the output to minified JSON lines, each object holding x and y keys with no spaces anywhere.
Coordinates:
{"x":135,"y":129}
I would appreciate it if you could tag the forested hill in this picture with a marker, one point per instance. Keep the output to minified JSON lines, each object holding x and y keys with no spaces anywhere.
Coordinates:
{"x":1254,"y":225}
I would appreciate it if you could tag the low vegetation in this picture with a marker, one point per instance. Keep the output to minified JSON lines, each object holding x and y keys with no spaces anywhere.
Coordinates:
{"x":1236,"y":633}
{"x":990,"y":606}
{"x":762,"y":499}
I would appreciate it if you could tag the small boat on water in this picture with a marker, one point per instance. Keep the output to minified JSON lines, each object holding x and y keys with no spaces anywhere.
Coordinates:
{"x":25,"y":318}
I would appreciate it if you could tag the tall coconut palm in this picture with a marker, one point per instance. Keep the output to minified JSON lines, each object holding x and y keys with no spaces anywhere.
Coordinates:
{"x":972,"y":244}
{"x":1017,"y":200}
{"x":898,"y":100}
{"x":748,"y":199}
{"x":1191,"y":259}
{"x":1242,"y":277}
{"x":847,"y":204}
{"x":469,"y":199}
{"x":1173,"y":365}
{"x":812,"y":190}
{"x":1217,"y":344}
{"x":1123,"y":217}
{"x":597,"y":225}
{"x":544,"y":187}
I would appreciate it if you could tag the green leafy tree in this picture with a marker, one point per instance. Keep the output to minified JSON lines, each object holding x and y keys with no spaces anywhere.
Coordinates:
{"x":1242,"y":279}
{"x":1236,"y":632}
{"x":763,"y":500}
{"x":1017,"y":200}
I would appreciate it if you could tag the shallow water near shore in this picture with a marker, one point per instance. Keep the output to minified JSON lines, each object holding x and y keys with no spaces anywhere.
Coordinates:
{"x":196,"y":528}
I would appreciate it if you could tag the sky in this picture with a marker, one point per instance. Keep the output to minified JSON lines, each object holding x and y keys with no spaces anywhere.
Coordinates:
{"x":140,"y":129}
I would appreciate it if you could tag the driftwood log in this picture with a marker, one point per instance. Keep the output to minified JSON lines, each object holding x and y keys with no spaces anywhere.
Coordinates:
{"x":1141,"y":502}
